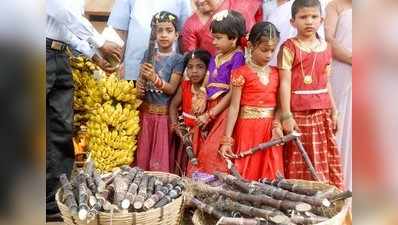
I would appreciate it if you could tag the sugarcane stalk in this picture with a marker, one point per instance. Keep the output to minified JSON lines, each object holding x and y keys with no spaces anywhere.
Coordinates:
{"x":313,"y":219}
{"x":132,"y":190}
{"x":240,"y":221}
{"x":254,"y":199}
{"x":142,"y":192}
{"x":111,"y":177}
{"x":234,"y":181}
{"x":166,"y":198}
{"x":155,"y":198}
{"x":68,"y":195}
{"x":269,"y":144}
{"x":186,"y":140}
{"x":340,"y":196}
{"x":207,"y":208}
{"x":278,"y":218}
{"x":103,"y":197}
{"x":306,"y":159}
{"x":281,"y":182}
{"x":121,"y":186}
{"x":232,"y":168}
{"x":99,"y":183}
{"x":279,"y":193}
{"x":83,"y":195}
{"x":151,"y":186}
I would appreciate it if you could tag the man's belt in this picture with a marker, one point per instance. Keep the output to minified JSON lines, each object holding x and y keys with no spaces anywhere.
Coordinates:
{"x":55,"y":45}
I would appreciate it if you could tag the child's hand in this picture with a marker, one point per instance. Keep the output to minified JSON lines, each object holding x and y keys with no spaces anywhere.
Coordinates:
{"x":290,"y":125}
{"x":148,"y":72}
{"x":335,"y":121}
{"x":277,"y":133}
{"x":226,"y":151}
{"x":203,"y":120}
{"x":140,"y":87}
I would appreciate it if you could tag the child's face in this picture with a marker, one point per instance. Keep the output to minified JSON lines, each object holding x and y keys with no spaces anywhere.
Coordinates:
{"x":196,"y":70}
{"x":262,"y":53}
{"x":222,"y":43}
{"x":165,"y":35}
{"x":307,"y":21}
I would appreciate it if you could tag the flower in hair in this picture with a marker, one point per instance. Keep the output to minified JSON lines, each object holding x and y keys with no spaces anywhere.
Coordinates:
{"x":221,"y":15}
{"x":171,"y":18}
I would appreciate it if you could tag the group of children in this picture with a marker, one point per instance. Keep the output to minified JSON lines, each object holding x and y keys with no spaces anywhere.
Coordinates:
{"x":234,"y":100}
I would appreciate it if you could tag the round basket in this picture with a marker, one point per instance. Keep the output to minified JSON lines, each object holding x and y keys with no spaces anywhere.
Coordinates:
{"x":337,"y":213}
{"x":170,"y":214}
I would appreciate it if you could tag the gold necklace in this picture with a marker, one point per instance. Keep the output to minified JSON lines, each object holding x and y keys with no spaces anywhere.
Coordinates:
{"x":307,"y":78}
{"x":262,"y":72}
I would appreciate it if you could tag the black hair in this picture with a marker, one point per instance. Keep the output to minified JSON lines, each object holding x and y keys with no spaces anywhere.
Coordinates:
{"x":203,"y":55}
{"x":299,"y":4}
{"x":165,"y":16}
{"x":263,"y":30}
{"x":233,"y":25}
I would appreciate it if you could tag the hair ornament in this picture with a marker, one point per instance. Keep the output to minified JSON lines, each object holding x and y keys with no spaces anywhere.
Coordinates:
{"x":221,"y":15}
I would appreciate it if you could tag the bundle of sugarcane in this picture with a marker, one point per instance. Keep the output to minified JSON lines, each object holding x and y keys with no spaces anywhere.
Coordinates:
{"x":105,"y":109}
{"x":238,"y":201}
{"x":125,"y":190}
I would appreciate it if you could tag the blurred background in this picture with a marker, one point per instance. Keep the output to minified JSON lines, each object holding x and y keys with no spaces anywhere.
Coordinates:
{"x":22,"y":113}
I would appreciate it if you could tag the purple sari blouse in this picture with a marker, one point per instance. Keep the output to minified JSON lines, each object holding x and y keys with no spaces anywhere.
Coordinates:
{"x":219,"y":78}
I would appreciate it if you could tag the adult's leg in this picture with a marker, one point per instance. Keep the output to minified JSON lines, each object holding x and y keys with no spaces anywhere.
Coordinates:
{"x":59,"y":116}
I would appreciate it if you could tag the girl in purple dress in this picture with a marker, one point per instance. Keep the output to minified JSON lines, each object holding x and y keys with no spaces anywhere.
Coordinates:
{"x":227,"y":27}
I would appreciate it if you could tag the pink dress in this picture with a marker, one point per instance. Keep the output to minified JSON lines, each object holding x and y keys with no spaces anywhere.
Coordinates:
{"x":197,"y":35}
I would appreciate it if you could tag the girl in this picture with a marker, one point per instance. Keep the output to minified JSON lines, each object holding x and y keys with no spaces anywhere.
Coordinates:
{"x":306,"y":100}
{"x":227,"y":27}
{"x":338,"y":30}
{"x":192,"y":95}
{"x":159,"y":82}
{"x":254,"y":98}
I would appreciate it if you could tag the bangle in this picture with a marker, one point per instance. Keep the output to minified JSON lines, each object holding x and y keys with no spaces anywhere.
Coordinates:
{"x":286,"y":116}
{"x":227,"y":141}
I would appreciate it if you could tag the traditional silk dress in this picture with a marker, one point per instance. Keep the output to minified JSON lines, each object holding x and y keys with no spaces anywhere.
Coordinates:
{"x":341,"y":79}
{"x":254,"y":124}
{"x":311,"y":108}
{"x":196,"y":34}
{"x":154,"y":139}
{"x":217,"y":86}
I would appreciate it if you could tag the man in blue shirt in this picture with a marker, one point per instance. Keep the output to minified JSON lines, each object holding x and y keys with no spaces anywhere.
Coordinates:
{"x":132,"y":19}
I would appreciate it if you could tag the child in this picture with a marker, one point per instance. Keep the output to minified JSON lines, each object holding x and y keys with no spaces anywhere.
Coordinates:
{"x":161,"y":81}
{"x":251,"y":117}
{"x":306,"y":100}
{"x":192,"y":95}
{"x":227,"y":27}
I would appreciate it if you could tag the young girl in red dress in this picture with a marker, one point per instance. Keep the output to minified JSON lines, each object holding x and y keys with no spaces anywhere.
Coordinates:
{"x":306,"y":100}
{"x":191,"y":95}
{"x":227,"y":27}
{"x":251,"y":117}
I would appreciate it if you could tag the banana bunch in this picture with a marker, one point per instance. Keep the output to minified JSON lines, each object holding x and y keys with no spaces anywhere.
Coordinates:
{"x":106,"y":109}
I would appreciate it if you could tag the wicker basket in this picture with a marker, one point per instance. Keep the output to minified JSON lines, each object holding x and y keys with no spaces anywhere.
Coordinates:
{"x":337,"y":213}
{"x":170,"y":214}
